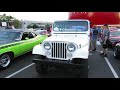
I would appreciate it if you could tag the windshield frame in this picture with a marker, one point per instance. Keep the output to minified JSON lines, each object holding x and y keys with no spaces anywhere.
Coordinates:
{"x":75,"y":31}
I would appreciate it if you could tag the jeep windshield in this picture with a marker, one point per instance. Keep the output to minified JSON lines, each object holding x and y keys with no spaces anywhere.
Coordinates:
{"x":70,"y":26}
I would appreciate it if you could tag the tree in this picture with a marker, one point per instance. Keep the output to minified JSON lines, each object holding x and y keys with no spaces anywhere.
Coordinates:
{"x":47,"y":26}
{"x":29,"y":26}
{"x":10,"y":19}
{"x":17,"y":23}
{"x":33,"y":26}
{"x":3,"y":17}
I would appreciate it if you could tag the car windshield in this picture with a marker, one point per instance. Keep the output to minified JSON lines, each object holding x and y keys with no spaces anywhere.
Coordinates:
{"x":8,"y":35}
{"x":115,"y":33}
{"x":70,"y":26}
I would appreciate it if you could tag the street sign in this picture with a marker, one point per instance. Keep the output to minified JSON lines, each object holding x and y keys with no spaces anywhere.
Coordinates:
{"x":4,"y":24}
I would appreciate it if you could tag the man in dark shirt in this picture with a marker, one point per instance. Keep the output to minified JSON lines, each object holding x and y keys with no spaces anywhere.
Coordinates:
{"x":106,"y":34}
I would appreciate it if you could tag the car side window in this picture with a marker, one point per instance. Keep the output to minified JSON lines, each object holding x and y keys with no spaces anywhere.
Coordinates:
{"x":30,"y":35}
{"x":34,"y":34}
{"x":17,"y":36}
{"x":24,"y":36}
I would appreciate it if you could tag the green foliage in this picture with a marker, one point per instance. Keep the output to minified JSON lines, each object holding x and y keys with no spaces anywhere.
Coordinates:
{"x":10,"y":19}
{"x":33,"y":26}
{"x":47,"y":26}
{"x":29,"y":26}
{"x":17,"y":23}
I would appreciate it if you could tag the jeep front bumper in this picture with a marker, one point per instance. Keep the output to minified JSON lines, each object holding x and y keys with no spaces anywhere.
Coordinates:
{"x":58,"y":63}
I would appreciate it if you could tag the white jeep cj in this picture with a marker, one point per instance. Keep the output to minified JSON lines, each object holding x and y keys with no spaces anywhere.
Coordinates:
{"x":67,"y":46}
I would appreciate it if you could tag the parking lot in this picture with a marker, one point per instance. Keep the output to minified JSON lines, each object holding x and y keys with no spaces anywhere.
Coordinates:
{"x":64,"y":39}
{"x":99,"y":67}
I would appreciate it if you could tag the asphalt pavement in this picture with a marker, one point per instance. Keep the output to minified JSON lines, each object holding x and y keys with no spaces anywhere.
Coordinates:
{"x":99,"y":67}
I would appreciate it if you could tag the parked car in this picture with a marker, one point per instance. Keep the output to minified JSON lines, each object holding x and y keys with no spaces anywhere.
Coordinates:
{"x":113,"y":28}
{"x":43,"y":32}
{"x":114,"y":38}
{"x":68,"y":46}
{"x":14,"y":42}
{"x":117,"y":51}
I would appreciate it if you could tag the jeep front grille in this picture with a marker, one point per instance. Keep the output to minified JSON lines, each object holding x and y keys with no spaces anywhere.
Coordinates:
{"x":59,"y":50}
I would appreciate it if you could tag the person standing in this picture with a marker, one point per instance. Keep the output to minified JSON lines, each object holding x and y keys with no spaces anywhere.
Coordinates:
{"x":99,"y":33}
{"x":90,"y":39}
{"x":94,"y":37}
{"x":106,"y":34}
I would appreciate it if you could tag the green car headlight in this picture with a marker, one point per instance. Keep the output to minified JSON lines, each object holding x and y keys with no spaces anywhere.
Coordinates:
{"x":47,"y":46}
{"x":71,"y":47}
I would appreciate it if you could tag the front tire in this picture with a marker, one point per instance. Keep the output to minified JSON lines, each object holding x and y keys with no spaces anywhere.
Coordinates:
{"x":5,"y":61}
{"x":116,"y":55}
{"x":41,"y":68}
{"x":83,"y":71}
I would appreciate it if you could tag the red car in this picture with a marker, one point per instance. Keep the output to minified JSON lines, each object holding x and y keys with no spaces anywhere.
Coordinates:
{"x":113,"y":28}
{"x":114,"y":37}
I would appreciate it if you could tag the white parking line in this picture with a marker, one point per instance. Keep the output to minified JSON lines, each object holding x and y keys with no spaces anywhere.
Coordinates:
{"x":110,"y":52}
{"x":109,"y":64}
{"x":111,"y":68}
{"x":11,"y":75}
{"x":107,"y":51}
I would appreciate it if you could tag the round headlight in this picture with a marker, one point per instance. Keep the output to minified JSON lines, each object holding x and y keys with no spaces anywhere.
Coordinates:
{"x":71,"y":47}
{"x":47,"y":46}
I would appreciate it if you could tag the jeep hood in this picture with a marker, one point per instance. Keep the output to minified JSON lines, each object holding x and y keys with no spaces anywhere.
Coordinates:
{"x":78,"y":39}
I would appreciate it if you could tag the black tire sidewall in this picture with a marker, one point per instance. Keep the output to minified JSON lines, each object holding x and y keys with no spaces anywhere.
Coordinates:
{"x":2,"y":68}
{"x":116,"y":53}
{"x":40,"y":68}
{"x":83,"y":71}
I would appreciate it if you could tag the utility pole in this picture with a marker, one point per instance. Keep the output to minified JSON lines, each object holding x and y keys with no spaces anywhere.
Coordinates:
{"x":23,"y":24}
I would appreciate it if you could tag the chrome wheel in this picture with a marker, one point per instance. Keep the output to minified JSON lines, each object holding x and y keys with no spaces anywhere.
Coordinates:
{"x":5,"y":60}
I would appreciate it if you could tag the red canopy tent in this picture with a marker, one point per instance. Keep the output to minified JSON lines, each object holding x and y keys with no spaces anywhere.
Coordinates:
{"x":97,"y":18}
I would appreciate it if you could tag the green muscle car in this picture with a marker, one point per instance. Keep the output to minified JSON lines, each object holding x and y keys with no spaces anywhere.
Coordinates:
{"x":15,"y":42}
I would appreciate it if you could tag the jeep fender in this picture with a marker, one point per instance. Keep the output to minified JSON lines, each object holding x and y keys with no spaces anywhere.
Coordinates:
{"x":82,"y":52}
{"x":38,"y":49}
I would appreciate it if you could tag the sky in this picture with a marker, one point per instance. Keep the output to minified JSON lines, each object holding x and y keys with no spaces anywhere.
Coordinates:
{"x":38,"y":16}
